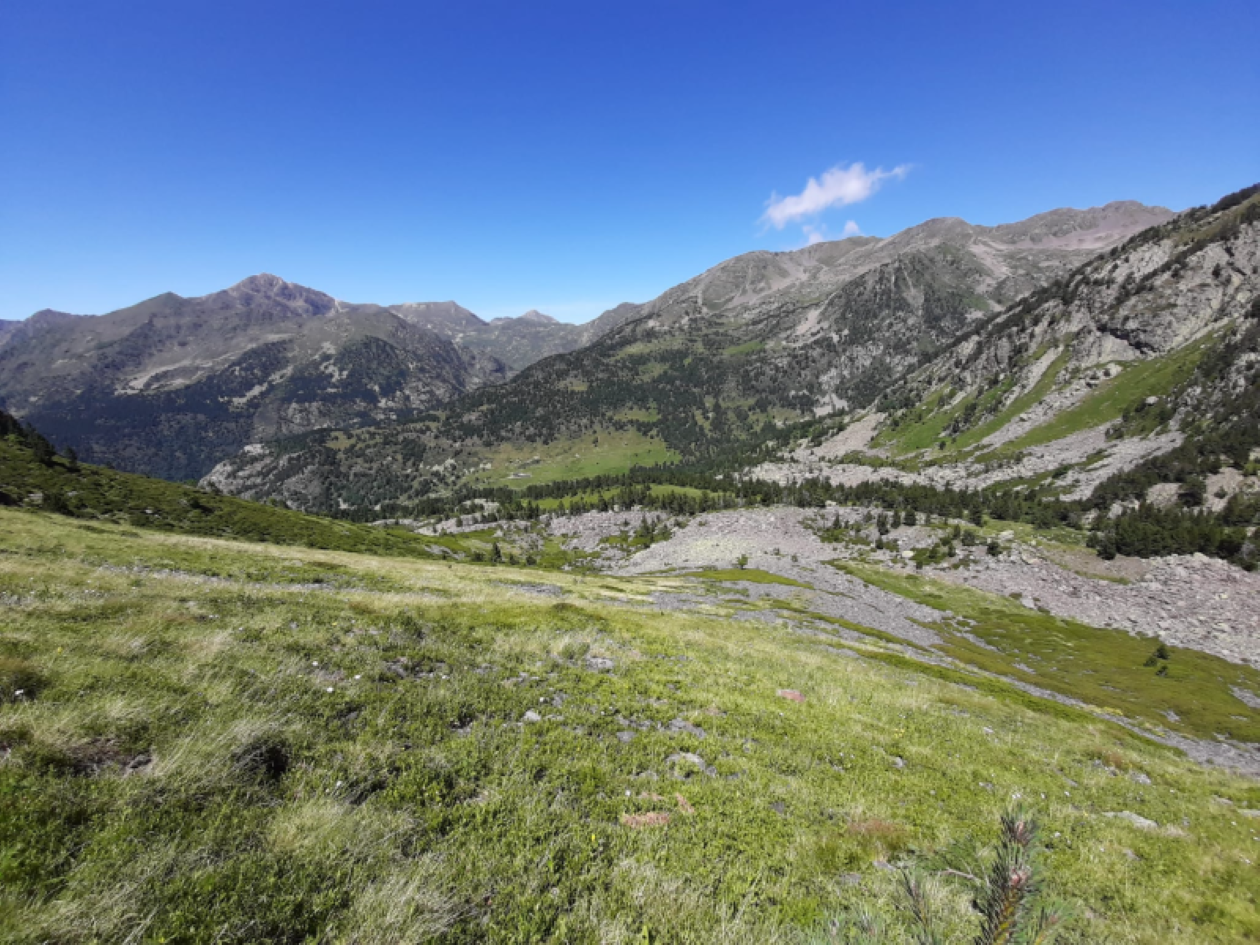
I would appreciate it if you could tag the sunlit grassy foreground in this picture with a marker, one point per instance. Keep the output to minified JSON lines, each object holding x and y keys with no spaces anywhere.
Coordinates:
{"x":220,"y":742}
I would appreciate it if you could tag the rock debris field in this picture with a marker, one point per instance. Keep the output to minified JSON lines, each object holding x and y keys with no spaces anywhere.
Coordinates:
{"x":1189,"y":601}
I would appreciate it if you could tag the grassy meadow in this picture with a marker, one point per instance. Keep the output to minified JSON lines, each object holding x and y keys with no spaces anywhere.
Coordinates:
{"x":214,"y":741}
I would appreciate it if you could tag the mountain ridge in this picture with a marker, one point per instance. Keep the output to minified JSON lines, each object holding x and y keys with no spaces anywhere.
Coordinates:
{"x":759,"y":339}
{"x":1133,"y":355}
{"x":172,"y":384}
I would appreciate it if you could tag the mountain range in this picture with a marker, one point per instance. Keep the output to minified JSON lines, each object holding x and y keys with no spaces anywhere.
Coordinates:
{"x":947,"y":354}
{"x":172,"y":385}
{"x":757,"y":341}
{"x":1148,"y":351}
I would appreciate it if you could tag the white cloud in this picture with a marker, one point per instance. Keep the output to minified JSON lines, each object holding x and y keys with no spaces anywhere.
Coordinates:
{"x":837,"y":187}
{"x":818,"y":233}
{"x":814,"y":234}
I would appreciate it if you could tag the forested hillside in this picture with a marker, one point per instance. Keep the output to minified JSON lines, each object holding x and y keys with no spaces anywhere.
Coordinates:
{"x":34,"y":476}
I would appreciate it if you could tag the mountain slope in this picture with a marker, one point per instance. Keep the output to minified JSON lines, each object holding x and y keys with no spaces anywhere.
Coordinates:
{"x":1118,"y":362}
{"x":172,"y":385}
{"x":757,"y":340}
{"x":33,"y":478}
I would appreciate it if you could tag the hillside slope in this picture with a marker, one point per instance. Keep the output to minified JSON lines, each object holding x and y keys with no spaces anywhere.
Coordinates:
{"x":34,"y":478}
{"x":209,"y":741}
{"x":172,"y":385}
{"x":1152,"y":349}
{"x":757,"y":340}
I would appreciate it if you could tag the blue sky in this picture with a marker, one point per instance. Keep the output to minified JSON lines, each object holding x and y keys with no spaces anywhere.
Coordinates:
{"x":570,"y":156}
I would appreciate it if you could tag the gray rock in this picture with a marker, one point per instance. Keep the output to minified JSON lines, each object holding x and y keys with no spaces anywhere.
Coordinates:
{"x":626,"y":737}
{"x":682,"y":762}
{"x":1137,"y":820}
{"x":531,"y":716}
{"x":685,"y":756}
{"x":682,"y":725}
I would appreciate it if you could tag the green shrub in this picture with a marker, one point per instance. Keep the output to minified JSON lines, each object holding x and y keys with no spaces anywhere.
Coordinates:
{"x":19,"y":680}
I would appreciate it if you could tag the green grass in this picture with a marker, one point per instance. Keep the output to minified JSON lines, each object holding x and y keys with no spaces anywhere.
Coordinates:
{"x":1109,"y":401}
{"x":1101,"y":667}
{"x":927,"y":431}
{"x":548,"y":550}
{"x":749,"y":575}
{"x":1034,"y":395}
{"x":177,"y":770}
{"x":94,"y":493}
{"x":1059,"y":535}
{"x":616,"y":452}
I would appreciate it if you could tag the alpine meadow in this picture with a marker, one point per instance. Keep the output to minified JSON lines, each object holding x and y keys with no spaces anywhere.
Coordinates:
{"x":857,"y":589}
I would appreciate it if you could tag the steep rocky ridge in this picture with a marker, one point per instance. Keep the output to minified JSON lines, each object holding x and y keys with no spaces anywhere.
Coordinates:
{"x":1085,"y":378}
{"x":757,"y":340}
{"x":12,"y":331}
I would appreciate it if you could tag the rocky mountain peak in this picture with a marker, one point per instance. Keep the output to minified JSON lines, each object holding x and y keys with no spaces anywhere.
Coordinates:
{"x":269,"y":292}
{"x":441,"y":317}
{"x":1094,"y":228}
{"x":533,"y":315}
{"x":43,"y":319}
{"x":47,"y":316}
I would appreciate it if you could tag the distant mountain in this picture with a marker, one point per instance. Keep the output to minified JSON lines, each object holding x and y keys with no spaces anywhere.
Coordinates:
{"x":46,"y":318}
{"x":757,"y":340}
{"x":518,"y":342}
{"x":448,"y":319}
{"x":172,"y":385}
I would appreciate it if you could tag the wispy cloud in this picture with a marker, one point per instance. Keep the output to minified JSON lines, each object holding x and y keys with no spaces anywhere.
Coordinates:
{"x":837,"y":187}
{"x":818,"y":233}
